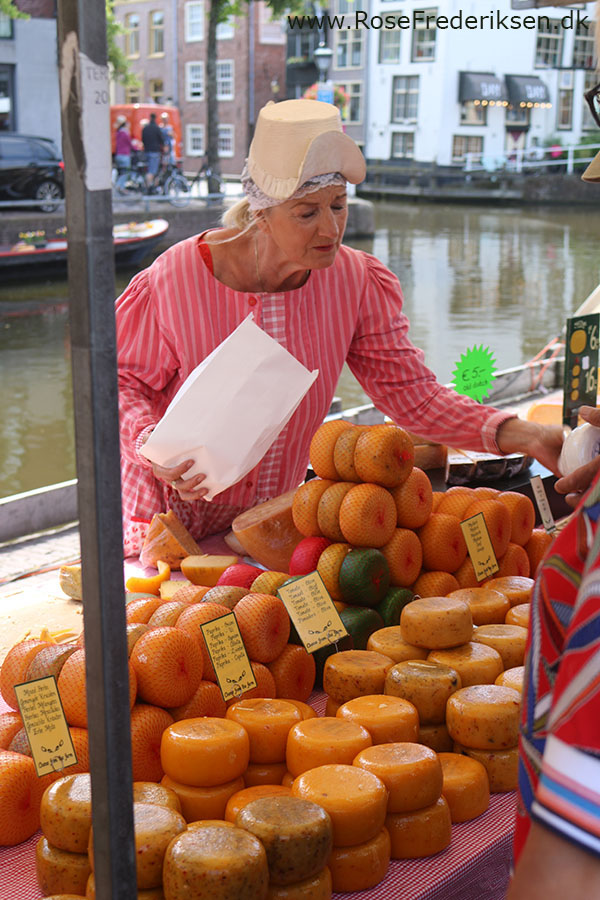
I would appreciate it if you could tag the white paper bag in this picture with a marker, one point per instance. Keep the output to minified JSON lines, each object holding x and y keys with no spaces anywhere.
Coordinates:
{"x":231,"y":408}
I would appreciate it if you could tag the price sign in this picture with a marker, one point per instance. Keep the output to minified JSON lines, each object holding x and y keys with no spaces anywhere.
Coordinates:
{"x":479,"y":546}
{"x":539,"y":492}
{"x":44,"y":720}
{"x":474,"y":373}
{"x":228,"y":656}
{"x":312,"y":611}
{"x":581,"y":365}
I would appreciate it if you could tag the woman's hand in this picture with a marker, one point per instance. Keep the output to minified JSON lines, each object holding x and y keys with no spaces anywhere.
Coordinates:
{"x":189,"y":489}
{"x":543,"y":442}
{"x":575,"y":484}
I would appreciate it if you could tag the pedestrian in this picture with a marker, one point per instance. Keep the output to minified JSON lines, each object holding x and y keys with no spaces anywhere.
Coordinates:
{"x":123,"y":146}
{"x":152,"y":140}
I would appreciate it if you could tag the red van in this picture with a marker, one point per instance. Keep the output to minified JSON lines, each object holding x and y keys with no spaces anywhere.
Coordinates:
{"x":138,"y":114}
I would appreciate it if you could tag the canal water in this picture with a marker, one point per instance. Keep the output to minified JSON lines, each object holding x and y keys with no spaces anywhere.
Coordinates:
{"x":502,"y":277}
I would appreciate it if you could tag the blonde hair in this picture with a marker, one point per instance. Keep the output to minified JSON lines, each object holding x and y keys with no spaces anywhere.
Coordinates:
{"x":239,"y":216}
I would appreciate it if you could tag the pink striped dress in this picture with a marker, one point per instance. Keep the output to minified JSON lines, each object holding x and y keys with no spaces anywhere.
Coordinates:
{"x":173,"y":314}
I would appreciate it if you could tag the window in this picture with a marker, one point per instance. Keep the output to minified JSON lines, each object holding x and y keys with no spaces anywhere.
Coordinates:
{"x":405,"y":97}
{"x":132,"y":95}
{"x":225,"y":30}
{"x":6,"y":27}
{"x":157,"y":33}
{"x":349,"y":7}
{"x":549,"y":43}
{"x":156,"y":90}
{"x":194,"y":81}
{"x":403,"y":145}
{"x":472,"y":112}
{"x":132,"y":34}
{"x":352,"y":112}
{"x":225,"y":141}
{"x":302,"y":44}
{"x":517,"y":115}
{"x":194,"y":140}
{"x":194,"y":21}
{"x":565,"y":100}
{"x":583,"y":48}
{"x":423,"y":42}
{"x":225,"y":79}
{"x":463,"y":144}
{"x":271,"y":30}
{"x":588,"y":123}
{"x":348,"y":49}
{"x":389,"y":45}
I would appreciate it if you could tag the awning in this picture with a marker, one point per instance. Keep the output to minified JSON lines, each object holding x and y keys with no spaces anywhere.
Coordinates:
{"x":526,"y":89}
{"x":480,"y":86}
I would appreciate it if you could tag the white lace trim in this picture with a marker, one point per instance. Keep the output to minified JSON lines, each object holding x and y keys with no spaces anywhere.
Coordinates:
{"x":257,"y":199}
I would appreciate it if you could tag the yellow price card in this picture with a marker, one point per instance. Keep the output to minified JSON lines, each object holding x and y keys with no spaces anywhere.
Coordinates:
{"x":479,"y":546}
{"x":229,"y":657}
{"x":44,"y":720}
{"x":311,"y":609}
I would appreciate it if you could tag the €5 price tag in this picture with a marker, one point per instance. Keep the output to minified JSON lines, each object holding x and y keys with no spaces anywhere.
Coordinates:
{"x":474,"y":373}
{"x":44,"y":720}
{"x":479,"y":546}
{"x":229,"y":657}
{"x":311,"y":609}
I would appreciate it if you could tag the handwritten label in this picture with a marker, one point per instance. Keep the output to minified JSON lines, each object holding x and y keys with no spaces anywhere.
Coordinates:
{"x":539,"y":492}
{"x":581,"y":365}
{"x":229,"y":657}
{"x":44,"y":720}
{"x":311,"y":609}
{"x":474,"y":373}
{"x":479,"y":546}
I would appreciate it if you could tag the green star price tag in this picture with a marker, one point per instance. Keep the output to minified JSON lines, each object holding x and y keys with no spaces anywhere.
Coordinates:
{"x":474,"y":373}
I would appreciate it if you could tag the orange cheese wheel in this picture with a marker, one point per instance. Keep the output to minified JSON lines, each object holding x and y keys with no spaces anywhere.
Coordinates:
{"x":66,"y":812}
{"x":355,"y":799}
{"x":288,"y":779}
{"x":519,"y":615}
{"x":436,"y":737}
{"x":150,"y":792}
{"x":268,"y":723}
{"x":484,"y":716}
{"x":316,"y":888}
{"x":426,"y":684}
{"x":502,"y":766}
{"x":475,"y":663}
{"x":512,"y":678}
{"x":360,"y":867}
{"x":237,"y":801}
{"x":411,"y":773}
{"x":354,"y":673}
{"x":324,"y":740}
{"x":387,"y":719}
{"x":204,"y":752}
{"x":215,"y":861}
{"x":390,"y":642}
{"x":331,"y":707}
{"x":517,"y":588}
{"x":203,"y":802}
{"x":436,"y":623}
{"x":264,"y":773}
{"x":466,"y":786}
{"x":488,"y":607}
{"x":58,"y":871}
{"x":423,"y":832}
{"x":305,"y":709}
{"x":297,"y":835}
{"x":508,"y":640}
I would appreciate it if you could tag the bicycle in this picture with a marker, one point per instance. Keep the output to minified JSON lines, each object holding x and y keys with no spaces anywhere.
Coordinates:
{"x":169,"y":181}
{"x":206,"y":173}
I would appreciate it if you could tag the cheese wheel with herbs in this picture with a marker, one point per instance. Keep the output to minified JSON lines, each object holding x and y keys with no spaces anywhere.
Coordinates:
{"x":205,"y":751}
{"x":297,"y":835}
{"x":517,"y":588}
{"x":151,"y":792}
{"x":466,"y":786}
{"x":360,"y":867}
{"x":316,"y":888}
{"x":425,"y":684}
{"x":423,"y":832}
{"x":237,"y":801}
{"x":322,"y":741}
{"x":411,"y":773}
{"x":203,"y":802}
{"x":512,"y":678}
{"x":90,"y":893}
{"x":390,"y":642}
{"x":519,"y":615}
{"x":502,"y":766}
{"x":58,"y":871}
{"x":215,"y":861}
{"x":354,"y":673}
{"x":436,"y":623}
{"x":66,"y":812}
{"x":508,"y":640}
{"x":264,"y":773}
{"x":475,"y":663}
{"x":488,"y":607}
{"x":267,"y":723}
{"x":387,"y":719}
{"x":484,"y":717}
{"x":436,"y":737}
{"x":355,"y":799}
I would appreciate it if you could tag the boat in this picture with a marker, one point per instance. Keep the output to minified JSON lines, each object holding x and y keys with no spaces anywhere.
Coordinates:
{"x":34,"y":254}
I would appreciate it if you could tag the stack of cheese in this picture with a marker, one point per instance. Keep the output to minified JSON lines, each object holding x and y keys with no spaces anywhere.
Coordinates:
{"x":267,"y":723}
{"x":353,"y":673}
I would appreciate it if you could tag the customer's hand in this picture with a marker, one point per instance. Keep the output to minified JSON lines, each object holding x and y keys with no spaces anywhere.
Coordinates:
{"x":188,"y":488}
{"x":575,"y":484}
{"x":543,"y":442}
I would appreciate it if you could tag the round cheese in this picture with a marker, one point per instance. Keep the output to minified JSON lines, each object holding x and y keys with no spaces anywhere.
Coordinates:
{"x":288,"y":779}
{"x":264,"y":773}
{"x":204,"y":752}
{"x":411,"y":772}
{"x":316,"y":888}
{"x":502,"y":766}
{"x":517,"y":588}
{"x":466,"y":786}
{"x":66,"y":812}
{"x":324,"y":740}
{"x":355,"y":799}
{"x":297,"y":835}
{"x":436,"y":737}
{"x":423,"y":832}
{"x":305,"y":709}
{"x":354,"y":673}
{"x":387,"y":719}
{"x":508,"y":640}
{"x":150,"y":792}
{"x":426,"y":684}
{"x":519,"y":615}
{"x":90,"y":893}
{"x":267,"y":723}
{"x":237,"y":801}
{"x":484,"y":717}
{"x":360,"y":867}
{"x":58,"y":871}
{"x":331,"y":707}
{"x":390,"y":642}
{"x":475,"y":663}
{"x":488,"y":607}
{"x":436,"y":623}
{"x":203,"y":802}
{"x":215,"y":861}
{"x":512,"y":678}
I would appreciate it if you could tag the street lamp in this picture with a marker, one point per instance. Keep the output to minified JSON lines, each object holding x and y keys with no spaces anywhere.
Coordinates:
{"x":322,"y":56}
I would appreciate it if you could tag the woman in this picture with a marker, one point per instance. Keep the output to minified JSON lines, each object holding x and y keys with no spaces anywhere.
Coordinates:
{"x":280,"y":256}
{"x":122,"y":146}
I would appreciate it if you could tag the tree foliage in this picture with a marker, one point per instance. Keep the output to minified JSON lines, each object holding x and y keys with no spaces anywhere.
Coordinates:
{"x":9,"y":9}
{"x":119,"y":63}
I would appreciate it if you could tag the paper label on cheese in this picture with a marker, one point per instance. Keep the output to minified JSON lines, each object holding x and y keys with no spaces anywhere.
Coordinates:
{"x":229,"y":657}
{"x":539,"y":492}
{"x":44,"y":720}
{"x":311,"y":609}
{"x":479,"y":546}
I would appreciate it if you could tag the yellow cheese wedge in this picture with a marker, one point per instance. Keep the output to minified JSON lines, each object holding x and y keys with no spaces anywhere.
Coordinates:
{"x":390,"y":642}
{"x":206,"y":569}
{"x":69,"y":578}
{"x":411,"y":772}
{"x":519,"y":615}
{"x":203,"y":802}
{"x":66,"y":812}
{"x":517,"y":588}
{"x":58,"y":871}
{"x":502,"y":766}
{"x":512,"y":678}
{"x":484,"y":716}
{"x":167,"y":539}
{"x":475,"y":663}
{"x":237,"y":801}
{"x":508,"y":640}
{"x":466,"y":786}
{"x":436,"y":623}
{"x":360,"y":867}
{"x":324,"y":740}
{"x":436,"y":737}
{"x":168,"y":589}
{"x":268,"y":723}
{"x":316,"y":888}
{"x":488,"y":607}
{"x":204,"y":752}
{"x":421,"y":833}
{"x":387,"y":719}
{"x":268,"y":533}
{"x":354,"y":673}
{"x":426,"y":684}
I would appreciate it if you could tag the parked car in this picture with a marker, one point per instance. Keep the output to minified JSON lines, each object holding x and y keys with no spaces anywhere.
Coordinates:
{"x":31,"y":168}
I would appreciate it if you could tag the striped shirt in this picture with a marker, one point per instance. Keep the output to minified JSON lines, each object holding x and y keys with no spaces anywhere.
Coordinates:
{"x":173,"y":314}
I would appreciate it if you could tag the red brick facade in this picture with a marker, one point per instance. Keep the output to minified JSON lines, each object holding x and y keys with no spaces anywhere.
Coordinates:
{"x":38,"y":9}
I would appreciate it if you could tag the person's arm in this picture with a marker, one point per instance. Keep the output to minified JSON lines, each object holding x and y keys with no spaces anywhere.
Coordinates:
{"x":553,"y":868}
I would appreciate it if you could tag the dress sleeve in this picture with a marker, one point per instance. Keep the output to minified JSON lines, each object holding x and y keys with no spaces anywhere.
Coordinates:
{"x":393,"y":373}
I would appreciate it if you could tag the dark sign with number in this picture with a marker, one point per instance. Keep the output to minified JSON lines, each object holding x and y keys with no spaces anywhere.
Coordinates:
{"x":581,"y":366}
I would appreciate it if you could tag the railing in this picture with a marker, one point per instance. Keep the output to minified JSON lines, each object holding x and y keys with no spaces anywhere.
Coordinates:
{"x":536,"y":158}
